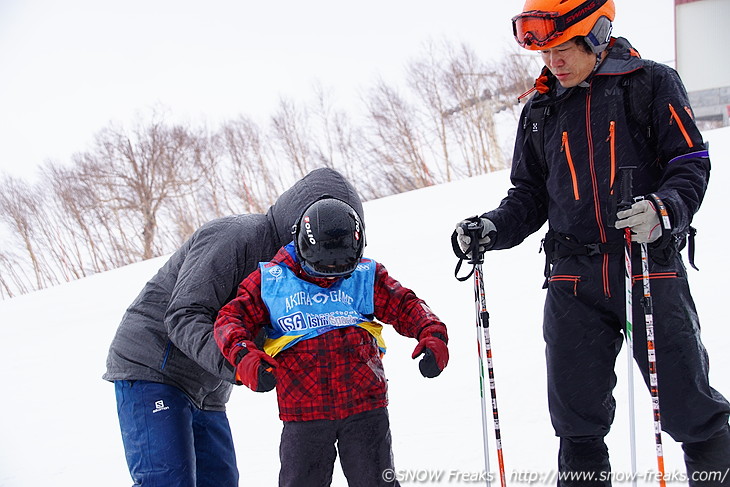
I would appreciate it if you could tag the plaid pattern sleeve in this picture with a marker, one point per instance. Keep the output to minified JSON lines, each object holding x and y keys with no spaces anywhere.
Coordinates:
{"x":242,"y":317}
{"x":399,"y":306}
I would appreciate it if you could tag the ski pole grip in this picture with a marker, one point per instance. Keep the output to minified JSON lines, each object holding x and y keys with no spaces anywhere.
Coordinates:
{"x":627,"y":187}
{"x":474,"y":229}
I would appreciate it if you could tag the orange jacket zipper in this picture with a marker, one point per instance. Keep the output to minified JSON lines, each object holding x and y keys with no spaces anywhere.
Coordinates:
{"x":596,"y":198}
{"x":680,"y":125}
{"x":566,"y":147}
{"x":612,"y":141}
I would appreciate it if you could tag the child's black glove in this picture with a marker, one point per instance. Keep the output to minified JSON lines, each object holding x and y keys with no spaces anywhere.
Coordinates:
{"x":255,"y":369}
{"x":432,"y":344}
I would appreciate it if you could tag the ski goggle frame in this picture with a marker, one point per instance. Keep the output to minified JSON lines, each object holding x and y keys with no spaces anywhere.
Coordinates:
{"x":316,"y":269}
{"x":537,"y":27}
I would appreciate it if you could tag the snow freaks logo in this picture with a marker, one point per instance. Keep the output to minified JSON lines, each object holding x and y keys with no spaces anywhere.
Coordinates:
{"x":431,"y":476}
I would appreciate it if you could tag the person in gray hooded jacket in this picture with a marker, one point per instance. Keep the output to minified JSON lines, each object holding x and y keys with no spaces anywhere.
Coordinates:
{"x":171,"y":381}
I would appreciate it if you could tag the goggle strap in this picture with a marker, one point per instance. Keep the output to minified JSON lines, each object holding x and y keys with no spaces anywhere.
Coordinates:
{"x":562,"y":22}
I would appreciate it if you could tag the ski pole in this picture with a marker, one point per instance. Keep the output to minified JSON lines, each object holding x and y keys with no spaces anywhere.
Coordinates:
{"x":485,"y":433}
{"x":483,"y":337}
{"x":625,"y":203}
{"x":651,"y":351}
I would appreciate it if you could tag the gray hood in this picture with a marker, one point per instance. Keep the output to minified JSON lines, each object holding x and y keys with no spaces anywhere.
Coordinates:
{"x":290,"y":205}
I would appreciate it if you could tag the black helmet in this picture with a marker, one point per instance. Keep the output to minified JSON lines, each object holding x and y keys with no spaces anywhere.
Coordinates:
{"x":329,"y":238}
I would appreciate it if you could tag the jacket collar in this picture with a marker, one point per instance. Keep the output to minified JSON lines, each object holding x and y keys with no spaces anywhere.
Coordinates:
{"x":620,"y":58}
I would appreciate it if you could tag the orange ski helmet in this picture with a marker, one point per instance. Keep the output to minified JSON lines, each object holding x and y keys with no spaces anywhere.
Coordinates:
{"x":544,"y":24}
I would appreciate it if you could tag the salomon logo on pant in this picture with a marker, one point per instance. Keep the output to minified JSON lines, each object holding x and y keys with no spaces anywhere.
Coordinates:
{"x":160,"y":406}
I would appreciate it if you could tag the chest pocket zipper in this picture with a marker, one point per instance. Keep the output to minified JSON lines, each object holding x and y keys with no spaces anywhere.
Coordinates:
{"x":612,"y":141}
{"x":565,"y":147}
{"x":675,"y":117}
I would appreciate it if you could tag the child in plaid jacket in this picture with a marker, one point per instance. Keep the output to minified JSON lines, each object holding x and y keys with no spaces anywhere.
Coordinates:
{"x":323,"y":350}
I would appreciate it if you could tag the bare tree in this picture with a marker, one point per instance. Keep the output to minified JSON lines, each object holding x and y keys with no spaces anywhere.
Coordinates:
{"x":426,"y":77}
{"x":462,"y":97}
{"x":20,"y":206}
{"x":336,"y":142}
{"x":397,"y":144}
{"x":85,"y":217}
{"x":290,"y":127}
{"x":137,"y":172}
{"x":13,"y":278}
{"x":252,"y":177}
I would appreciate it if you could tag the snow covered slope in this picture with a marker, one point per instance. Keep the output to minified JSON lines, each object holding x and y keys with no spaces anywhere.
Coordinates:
{"x":58,"y":422}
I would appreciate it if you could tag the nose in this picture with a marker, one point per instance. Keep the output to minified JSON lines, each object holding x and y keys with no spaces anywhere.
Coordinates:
{"x":552,"y":59}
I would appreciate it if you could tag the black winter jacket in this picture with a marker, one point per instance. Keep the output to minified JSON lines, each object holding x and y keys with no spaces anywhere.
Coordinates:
{"x":166,"y":335}
{"x":590,"y":131}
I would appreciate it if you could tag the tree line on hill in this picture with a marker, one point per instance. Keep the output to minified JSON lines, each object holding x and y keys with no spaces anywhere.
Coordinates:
{"x":140,"y":190}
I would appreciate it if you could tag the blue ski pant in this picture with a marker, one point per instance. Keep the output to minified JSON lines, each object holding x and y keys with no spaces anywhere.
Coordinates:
{"x":170,"y":442}
{"x":584,"y":317}
{"x":307,"y":451}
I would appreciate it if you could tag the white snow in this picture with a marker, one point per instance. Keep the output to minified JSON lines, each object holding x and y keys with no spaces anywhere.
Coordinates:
{"x":58,"y":422}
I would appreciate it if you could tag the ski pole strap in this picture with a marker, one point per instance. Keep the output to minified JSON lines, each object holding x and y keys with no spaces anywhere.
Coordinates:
{"x":456,"y":247}
{"x":691,"y":247}
{"x":462,"y":257}
{"x":475,"y":255}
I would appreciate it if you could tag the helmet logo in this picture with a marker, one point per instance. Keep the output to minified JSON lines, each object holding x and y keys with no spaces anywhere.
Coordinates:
{"x":308,"y":230}
{"x":357,"y":229}
{"x":585,"y":9}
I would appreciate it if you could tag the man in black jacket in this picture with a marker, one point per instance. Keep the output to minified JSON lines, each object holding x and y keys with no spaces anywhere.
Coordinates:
{"x":171,"y":381}
{"x":584,"y":128}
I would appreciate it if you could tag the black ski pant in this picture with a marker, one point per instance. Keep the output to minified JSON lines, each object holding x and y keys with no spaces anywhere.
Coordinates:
{"x":307,"y":451}
{"x":583,"y":322}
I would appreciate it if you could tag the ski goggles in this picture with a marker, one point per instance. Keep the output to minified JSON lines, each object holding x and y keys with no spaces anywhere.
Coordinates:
{"x":318,"y":269}
{"x":537,"y":27}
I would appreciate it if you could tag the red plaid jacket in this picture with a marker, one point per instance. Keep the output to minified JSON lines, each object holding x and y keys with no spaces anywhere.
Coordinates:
{"x":336,"y":374}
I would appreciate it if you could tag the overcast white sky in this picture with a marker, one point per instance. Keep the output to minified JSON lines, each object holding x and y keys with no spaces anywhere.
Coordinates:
{"x":69,"y":68}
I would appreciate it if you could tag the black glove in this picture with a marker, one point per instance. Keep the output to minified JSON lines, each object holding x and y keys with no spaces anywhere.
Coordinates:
{"x":255,"y":369}
{"x":435,"y":353}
